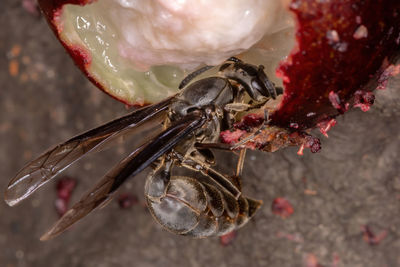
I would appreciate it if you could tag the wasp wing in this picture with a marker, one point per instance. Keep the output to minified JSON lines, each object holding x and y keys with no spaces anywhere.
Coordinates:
{"x":139,"y":159}
{"x":42,"y":169}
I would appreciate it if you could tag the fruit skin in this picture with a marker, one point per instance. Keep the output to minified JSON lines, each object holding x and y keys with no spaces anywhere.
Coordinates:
{"x":343,"y":46}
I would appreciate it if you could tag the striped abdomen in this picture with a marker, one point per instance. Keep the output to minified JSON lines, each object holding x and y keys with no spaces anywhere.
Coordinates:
{"x":189,"y":207}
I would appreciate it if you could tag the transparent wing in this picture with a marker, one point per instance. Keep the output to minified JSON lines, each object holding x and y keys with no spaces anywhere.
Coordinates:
{"x":42,"y":169}
{"x":129,"y":167}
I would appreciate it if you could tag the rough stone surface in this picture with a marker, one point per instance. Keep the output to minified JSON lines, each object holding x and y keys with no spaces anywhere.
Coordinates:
{"x":354,"y":181}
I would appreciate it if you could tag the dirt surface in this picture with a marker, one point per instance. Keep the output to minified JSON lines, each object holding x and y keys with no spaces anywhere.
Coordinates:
{"x":346,"y":199}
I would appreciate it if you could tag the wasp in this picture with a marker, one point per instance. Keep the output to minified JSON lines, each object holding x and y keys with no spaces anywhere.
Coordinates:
{"x":191,"y":123}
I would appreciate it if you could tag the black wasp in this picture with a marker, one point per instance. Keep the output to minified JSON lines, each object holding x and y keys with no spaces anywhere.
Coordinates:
{"x":192,"y":121}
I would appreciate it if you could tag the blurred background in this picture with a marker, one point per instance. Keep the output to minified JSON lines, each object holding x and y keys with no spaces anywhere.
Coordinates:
{"x":345,"y":199}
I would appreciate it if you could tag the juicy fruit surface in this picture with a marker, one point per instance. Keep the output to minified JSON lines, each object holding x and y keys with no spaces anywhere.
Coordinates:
{"x":343,"y":47}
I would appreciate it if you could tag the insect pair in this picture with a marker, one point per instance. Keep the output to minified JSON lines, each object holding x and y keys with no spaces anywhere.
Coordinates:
{"x":192,"y":121}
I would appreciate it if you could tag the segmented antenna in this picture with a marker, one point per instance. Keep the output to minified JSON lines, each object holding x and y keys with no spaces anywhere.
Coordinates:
{"x":234,"y":59}
{"x":192,"y":75}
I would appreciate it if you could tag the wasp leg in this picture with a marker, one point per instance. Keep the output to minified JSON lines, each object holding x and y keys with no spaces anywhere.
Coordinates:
{"x":234,"y":59}
{"x":238,"y":210}
{"x":236,"y":146}
{"x":224,"y":182}
{"x":239,"y":166}
{"x":237,"y":107}
{"x":258,"y":131}
{"x":219,"y":146}
{"x":253,"y":204}
{"x":159,"y":179}
{"x":207,"y":154}
{"x":237,"y":178}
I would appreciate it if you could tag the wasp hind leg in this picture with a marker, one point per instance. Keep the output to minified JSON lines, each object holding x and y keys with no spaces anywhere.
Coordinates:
{"x":237,"y":209}
{"x":158,"y":180}
{"x":247,"y":206}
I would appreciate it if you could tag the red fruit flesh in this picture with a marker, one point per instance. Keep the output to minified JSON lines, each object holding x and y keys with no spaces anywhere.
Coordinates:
{"x":227,"y":239}
{"x":282,"y":207}
{"x":343,"y":46}
{"x":65,"y":187}
{"x":370,"y":237}
{"x":127,"y":200}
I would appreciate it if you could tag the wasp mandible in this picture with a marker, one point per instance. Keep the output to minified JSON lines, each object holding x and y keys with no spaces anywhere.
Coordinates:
{"x":192,"y":121}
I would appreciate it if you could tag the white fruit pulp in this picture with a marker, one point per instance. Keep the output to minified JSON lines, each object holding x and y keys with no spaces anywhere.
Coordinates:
{"x":141,"y":50}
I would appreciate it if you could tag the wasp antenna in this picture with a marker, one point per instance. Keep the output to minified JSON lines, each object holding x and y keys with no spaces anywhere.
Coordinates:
{"x":235,"y":59}
{"x":193,"y":75}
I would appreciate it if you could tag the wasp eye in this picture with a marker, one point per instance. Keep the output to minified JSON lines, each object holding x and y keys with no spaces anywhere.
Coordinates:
{"x":259,"y":93}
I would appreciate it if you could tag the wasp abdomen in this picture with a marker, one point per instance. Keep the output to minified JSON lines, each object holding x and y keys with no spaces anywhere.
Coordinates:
{"x":196,"y":209}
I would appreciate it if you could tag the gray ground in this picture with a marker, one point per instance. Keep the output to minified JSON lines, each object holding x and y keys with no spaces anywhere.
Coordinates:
{"x":354,"y":181}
